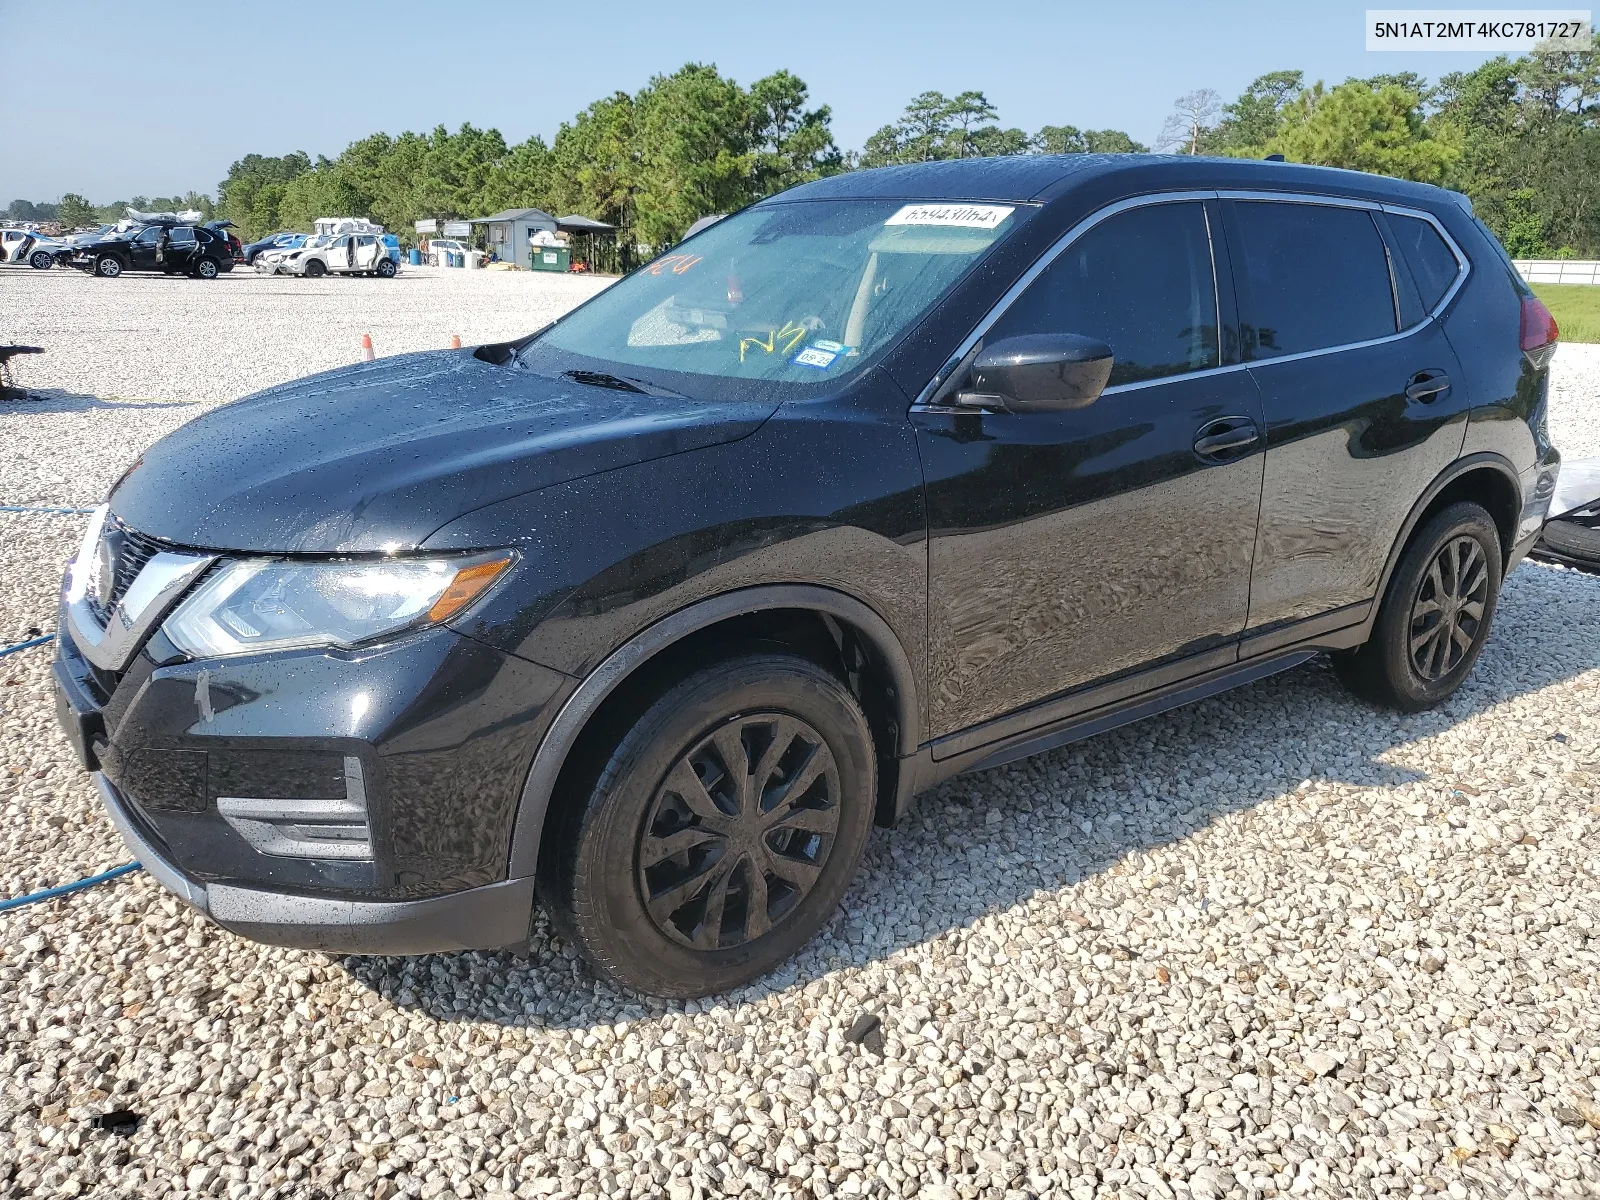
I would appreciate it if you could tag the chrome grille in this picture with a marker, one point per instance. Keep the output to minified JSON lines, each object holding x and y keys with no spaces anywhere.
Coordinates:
{"x":134,"y":549}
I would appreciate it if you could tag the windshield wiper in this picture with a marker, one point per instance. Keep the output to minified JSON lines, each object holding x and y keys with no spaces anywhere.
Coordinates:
{"x":618,"y":383}
{"x":605,"y":380}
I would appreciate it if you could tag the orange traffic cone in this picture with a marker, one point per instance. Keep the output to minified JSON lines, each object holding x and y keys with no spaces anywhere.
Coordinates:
{"x":366,"y":347}
{"x":455,"y":341}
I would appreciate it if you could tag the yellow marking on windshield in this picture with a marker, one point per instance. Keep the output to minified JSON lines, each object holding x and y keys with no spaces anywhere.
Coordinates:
{"x":791,"y":335}
{"x":745,"y":343}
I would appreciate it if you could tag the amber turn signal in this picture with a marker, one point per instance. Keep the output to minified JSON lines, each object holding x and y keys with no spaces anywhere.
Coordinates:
{"x":466,"y":587}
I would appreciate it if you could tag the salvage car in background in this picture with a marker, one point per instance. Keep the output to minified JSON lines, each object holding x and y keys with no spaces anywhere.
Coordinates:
{"x":19,"y":246}
{"x":337,"y":254}
{"x":273,"y":241}
{"x":193,"y":250}
{"x":1571,"y":536}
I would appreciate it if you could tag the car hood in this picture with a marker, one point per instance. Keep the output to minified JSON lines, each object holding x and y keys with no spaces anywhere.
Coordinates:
{"x":378,"y":456}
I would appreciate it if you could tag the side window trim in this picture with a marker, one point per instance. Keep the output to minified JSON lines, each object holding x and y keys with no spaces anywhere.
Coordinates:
{"x":928,"y":397}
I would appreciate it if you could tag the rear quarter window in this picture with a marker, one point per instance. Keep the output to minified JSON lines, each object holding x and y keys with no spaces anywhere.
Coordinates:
{"x":1433,"y":264}
{"x":1311,"y":277}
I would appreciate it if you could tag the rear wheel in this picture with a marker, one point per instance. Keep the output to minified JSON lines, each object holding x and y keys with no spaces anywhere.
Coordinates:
{"x":386,"y":268}
{"x":108,"y":266}
{"x":722,"y":830}
{"x":1435,"y":616}
{"x":206,"y":268}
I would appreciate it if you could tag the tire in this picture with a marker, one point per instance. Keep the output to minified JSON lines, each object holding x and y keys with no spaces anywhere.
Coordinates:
{"x":108,"y":266}
{"x":664,"y":793}
{"x":1435,"y":616}
{"x":315,"y":269}
{"x":206,"y":268}
{"x":386,"y":268}
{"x":41,"y":260}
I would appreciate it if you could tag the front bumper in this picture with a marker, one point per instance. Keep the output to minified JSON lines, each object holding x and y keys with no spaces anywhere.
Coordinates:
{"x":481,"y":918}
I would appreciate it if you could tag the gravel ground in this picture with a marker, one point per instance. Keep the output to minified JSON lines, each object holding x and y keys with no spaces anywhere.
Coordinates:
{"x":1361,"y":958}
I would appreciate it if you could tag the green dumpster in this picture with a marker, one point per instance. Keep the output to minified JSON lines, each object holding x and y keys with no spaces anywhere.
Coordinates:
{"x":551,"y":258}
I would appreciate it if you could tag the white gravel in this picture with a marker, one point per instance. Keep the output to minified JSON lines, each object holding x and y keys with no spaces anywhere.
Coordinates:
{"x":1274,"y":943}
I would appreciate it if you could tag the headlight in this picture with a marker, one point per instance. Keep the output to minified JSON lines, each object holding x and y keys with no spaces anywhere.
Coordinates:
{"x":252,"y":605}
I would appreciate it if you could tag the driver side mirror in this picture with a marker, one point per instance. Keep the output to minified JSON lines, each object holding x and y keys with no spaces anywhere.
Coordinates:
{"x":1037,"y":372}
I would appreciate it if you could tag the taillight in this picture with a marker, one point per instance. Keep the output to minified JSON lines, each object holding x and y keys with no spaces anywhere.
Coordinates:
{"x":1539,"y":332}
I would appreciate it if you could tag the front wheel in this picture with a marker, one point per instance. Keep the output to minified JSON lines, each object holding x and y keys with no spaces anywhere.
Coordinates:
{"x":108,"y":266}
{"x":315,"y":269}
{"x":206,"y":268}
{"x":1435,"y":616}
{"x":722,"y":831}
{"x":41,"y":260}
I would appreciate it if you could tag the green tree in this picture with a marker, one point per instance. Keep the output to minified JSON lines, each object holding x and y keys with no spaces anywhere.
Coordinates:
{"x":1523,"y":235}
{"x":74,"y":211}
{"x":791,"y":144}
{"x":1364,"y":129}
{"x":253,"y":190}
{"x":1255,"y":118}
{"x":1069,"y":139}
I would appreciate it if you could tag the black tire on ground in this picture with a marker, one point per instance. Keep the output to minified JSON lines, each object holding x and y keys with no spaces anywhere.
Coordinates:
{"x":1435,"y":616}
{"x":316,"y":268}
{"x":206,"y":268}
{"x":386,"y":268}
{"x":720,"y":832}
{"x":108,"y":266}
{"x":41,"y":260}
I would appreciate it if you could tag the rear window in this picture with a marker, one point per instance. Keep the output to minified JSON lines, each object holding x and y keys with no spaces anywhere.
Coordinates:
{"x":1432,"y":263}
{"x":1313,"y":276}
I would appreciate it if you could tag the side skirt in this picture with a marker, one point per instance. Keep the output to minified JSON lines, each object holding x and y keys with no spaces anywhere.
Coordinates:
{"x":923,"y":770}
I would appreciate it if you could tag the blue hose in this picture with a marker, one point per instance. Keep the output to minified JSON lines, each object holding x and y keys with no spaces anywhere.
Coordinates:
{"x":38,"y":641}
{"x":68,"y":888}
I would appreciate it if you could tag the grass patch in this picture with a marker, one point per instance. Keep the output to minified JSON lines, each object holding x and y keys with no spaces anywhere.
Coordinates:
{"x":1576,"y":308}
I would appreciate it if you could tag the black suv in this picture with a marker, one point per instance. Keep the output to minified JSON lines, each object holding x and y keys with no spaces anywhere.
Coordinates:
{"x":651,"y":614}
{"x":190,"y":249}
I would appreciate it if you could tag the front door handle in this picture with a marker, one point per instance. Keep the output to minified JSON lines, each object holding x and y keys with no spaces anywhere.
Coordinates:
{"x":1225,"y":437}
{"x":1427,"y":386}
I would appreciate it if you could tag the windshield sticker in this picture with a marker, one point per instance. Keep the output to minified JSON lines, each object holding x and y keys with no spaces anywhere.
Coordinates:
{"x":676,"y":263}
{"x":790,"y":335}
{"x":813,"y":356}
{"x":967,"y":216}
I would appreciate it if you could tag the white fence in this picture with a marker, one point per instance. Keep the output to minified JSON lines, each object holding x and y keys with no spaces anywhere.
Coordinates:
{"x":1558,"y":270}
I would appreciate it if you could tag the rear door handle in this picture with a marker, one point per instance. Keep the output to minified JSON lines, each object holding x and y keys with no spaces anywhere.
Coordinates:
{"x":1225,"y":437}
{"x":1426,"y":386}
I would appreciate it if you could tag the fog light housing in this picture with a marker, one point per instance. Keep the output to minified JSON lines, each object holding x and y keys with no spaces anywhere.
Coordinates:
{"x":305,"y":828}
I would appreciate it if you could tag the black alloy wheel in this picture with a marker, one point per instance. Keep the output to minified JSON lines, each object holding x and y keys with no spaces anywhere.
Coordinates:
{"x":1449,"y":608}
{"x":1435,"y":614}
{"x":739,"y":831}
{"x":206,"y":268}
{"x":702,"y":836}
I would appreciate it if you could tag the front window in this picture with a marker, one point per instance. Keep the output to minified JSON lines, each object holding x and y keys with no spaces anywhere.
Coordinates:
{"x":800,"y":292}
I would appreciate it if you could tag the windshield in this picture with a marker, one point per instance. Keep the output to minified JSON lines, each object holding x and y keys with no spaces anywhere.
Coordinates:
{"x":799,"y":292}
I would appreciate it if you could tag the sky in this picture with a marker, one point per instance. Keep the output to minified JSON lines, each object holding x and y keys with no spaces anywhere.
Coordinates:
{"x":119,"y":104}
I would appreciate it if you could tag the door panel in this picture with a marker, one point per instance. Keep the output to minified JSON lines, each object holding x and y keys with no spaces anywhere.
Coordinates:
{"x":1354,"y":432}
{"x":1068,"y":547}
{"x":1348,"y":454}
